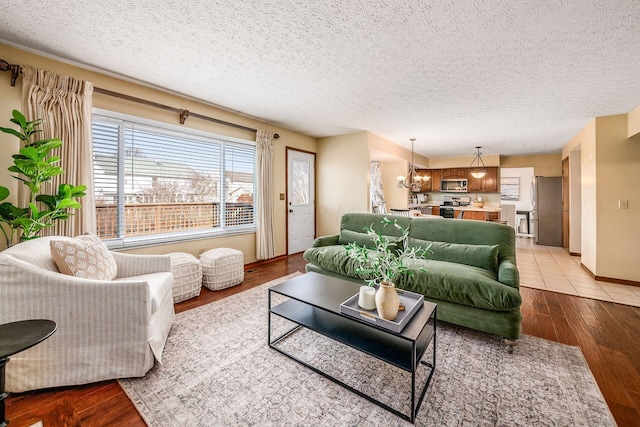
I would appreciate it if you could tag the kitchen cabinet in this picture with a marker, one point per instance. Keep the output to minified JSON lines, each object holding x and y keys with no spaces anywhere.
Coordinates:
{"x":486,"y":184}
{"x":475,"y":185}
{"x":477,"y":215}
{"x":436,"y":176}
{"x":491,"y":181}
{"x":454,"y":173}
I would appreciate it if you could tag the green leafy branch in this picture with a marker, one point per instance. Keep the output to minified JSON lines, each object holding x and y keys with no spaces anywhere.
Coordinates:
{"x":34,"y":166}
{"x":387,"y":262}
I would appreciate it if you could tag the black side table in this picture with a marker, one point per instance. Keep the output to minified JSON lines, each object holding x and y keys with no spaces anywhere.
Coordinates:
{"x":16,"y":337}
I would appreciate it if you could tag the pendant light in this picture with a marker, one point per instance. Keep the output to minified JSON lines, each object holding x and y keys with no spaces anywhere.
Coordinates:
{"x":412,"y":181}
{"x":478,"y":171}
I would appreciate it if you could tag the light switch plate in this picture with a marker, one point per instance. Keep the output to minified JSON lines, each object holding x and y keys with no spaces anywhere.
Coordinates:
{"x":623,"y":204}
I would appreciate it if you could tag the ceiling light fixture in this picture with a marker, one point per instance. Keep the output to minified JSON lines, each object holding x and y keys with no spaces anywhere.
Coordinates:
{"x":412,"y":181}
{"x":478,"y":171}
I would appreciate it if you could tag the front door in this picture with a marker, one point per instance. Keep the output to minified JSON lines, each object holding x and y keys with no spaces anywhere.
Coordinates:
{"x":301,"y":220}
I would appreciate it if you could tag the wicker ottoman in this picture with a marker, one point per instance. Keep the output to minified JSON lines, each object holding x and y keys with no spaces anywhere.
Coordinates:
{"x":222,"y":268}
{"x":187,"y":276}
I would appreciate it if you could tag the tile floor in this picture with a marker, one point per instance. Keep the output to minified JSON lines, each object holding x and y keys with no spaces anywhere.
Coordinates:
{"x":553,"y":269}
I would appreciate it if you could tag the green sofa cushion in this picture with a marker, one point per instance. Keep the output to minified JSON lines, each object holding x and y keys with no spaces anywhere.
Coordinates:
{"x":459,"y":283}
{"x":447,"y":281}
{"x":360,"y":221}
{"x":467,"y":233}
{"x":482,"y":256}
{"x":333,"y":258}
{"x":364,"y":239}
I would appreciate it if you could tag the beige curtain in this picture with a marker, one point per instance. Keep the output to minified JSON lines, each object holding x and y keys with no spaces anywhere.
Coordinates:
{"x":265,"y":241}
{"x":65,"y":104}
{"x":378,"y":204}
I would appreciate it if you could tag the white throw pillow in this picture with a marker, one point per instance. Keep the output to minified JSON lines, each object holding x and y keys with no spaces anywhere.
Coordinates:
{"x":85,"y":256}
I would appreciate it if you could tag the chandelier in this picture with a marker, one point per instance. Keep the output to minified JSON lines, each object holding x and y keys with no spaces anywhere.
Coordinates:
{"x":412,"y":181}
{"x":478,"y":171}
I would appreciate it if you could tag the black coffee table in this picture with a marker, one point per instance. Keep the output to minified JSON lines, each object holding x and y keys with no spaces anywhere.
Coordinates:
{"x":314,"y":303}
{"x":14,"y":338}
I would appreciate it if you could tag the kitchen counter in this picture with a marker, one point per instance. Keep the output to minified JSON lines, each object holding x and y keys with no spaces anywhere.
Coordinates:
{"x":473,"y":208}
{"x":485,"y":208}
{"x":489,"y":212}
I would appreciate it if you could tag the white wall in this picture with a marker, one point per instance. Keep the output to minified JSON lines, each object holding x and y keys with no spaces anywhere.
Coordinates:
{"x":343,"y":170}
{"x":526,"y":176}
{"x":575,"y":201}
{"x":585,"y":141}
{"x":618,"y":174}
{"x":395,"y":198}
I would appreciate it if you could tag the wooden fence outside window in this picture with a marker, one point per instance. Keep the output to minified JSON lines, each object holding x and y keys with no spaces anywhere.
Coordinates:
{"x":143,"y":220}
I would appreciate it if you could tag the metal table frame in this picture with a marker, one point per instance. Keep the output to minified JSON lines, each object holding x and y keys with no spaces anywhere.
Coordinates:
{"x":403,"y":350}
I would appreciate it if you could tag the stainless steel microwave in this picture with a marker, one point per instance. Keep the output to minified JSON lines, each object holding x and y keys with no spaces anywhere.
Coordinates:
{"x":457,"y":185}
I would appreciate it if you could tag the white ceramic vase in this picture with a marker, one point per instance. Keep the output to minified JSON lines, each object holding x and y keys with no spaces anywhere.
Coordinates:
{"x":387,"y":301}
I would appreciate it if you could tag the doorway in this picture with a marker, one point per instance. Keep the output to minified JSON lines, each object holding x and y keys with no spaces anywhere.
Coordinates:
{"x":301,"y":206}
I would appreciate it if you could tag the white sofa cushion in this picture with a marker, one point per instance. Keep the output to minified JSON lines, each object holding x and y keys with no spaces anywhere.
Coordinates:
{"x":84,"y":256}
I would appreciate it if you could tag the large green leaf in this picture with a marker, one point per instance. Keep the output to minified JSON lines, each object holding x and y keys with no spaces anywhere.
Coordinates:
{"x":47,"y":199}
{"x":19,"y":118}
{"x":12,"y":132}
{"x":4,"y":193}
{"x":49,"y":144}
{"x":31,"y":153}
{"x":9,"y":212}
{"x":35,"y":212}
{"x":68,"y":204}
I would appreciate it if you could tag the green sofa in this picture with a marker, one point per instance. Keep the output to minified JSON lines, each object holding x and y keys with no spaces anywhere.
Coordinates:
{"x":471,"y":273}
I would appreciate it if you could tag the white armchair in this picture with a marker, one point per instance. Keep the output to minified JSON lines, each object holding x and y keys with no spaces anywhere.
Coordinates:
{"x":106,"y":329}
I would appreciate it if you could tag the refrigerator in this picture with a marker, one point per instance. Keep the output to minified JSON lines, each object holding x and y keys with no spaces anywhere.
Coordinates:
{"x":546,"y":216}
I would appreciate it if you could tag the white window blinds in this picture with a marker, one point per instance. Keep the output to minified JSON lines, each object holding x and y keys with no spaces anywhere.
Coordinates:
{"x":153,"y":181}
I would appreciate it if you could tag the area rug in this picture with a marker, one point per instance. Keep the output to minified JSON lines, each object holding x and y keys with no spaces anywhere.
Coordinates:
{"x":219,"y":371}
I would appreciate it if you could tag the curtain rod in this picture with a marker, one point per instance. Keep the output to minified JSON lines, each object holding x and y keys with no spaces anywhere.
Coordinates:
{"x":184,"y":114}
{"x":14,"y":68}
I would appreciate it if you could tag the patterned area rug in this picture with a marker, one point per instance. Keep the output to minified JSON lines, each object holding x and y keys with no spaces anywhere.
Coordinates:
{"x":219,"y":371}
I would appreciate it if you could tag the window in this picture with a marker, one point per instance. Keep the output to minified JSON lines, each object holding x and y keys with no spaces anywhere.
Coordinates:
{"x":156,"y":183}
{"x":301,"y":184}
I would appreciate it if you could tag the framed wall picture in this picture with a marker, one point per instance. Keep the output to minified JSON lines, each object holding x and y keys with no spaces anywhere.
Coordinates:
{"x":510,"y":188}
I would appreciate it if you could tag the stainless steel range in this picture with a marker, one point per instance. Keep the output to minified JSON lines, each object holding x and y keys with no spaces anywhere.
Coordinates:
{"x":456,"y":201}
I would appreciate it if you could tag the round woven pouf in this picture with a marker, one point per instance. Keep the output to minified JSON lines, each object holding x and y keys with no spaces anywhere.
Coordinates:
{"x":222,"y":268}
{"x":187,"y":276}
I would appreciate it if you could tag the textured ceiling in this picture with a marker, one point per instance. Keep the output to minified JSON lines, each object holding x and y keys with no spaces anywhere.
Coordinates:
{"x":515,"y":77}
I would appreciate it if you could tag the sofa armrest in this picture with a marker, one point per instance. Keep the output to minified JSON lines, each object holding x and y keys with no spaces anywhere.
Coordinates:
{"x":97,"y":319}
{"x":136,"y":265}
{"x":28,"y":291}
{"x":508,"y":272}
{"x":326,"y":241}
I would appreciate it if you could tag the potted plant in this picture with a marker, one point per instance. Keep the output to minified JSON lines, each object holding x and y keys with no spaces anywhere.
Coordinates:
{"x":34,"y":165}
{"x":383,"y":265}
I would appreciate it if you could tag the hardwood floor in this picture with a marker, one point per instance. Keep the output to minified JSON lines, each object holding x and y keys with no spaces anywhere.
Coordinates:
{"x":606,"y":332}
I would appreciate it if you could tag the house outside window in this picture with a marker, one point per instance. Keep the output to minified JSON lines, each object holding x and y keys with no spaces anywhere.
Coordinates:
{"x":157,"y":183}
